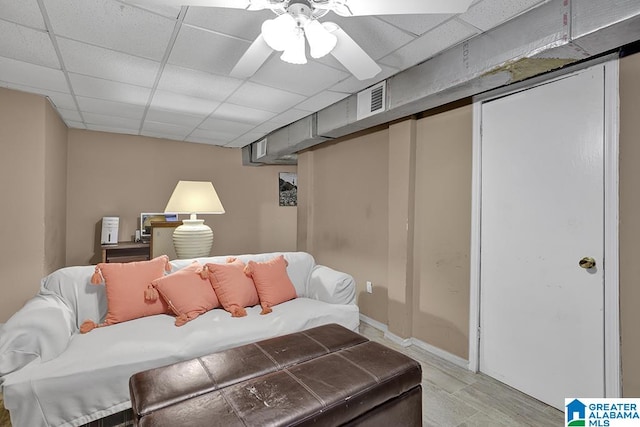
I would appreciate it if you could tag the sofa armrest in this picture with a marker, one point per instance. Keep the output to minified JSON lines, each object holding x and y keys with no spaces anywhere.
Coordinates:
{"x":41,"y":329}
{"x":329,"y":285}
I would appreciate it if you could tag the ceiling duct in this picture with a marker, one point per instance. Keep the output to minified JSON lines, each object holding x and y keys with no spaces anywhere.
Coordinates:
{"x":546,"y":38}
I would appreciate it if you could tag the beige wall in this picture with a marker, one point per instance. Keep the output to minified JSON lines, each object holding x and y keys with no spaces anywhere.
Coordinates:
{"x":123,"y":175}
{"x":438,"y":245}
{"x":55,"y":191}
{"x":629,"y":223}
{"x":346,"y":213}
{"x":33,"y":142}
{"x":443,"y":230}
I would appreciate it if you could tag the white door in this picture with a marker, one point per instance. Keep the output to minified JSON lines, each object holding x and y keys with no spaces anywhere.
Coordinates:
{"x":542,"y":187}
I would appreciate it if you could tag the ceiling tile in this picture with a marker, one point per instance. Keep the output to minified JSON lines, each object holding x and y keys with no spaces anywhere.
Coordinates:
{"x":204,"y":139}
{"x":72,"y":115}
{"x":240,"y":23}
{"x":417,"y":24}
{"x":244,"y":140}
{"x":321,"y":100}
{"x":265,"y":98}
{"x":429,"y":44}
{"x":353,"y":85}
{"x":206,"y":51}
{"x":190,"y":105}
{"x":105,"y":120}
{"x":110,"y":108}
{"x":307,"y":79}
{"x":226,"y":127}
{"x":174,"y":118}
{"x":75,"y":125}
{"x":26,"y":44}
{"x":290,"y":116}
{"x":60,"y":100}
{"x":112,"y":25}
{"x":107,"y":64}
{"x":105,"y":89}
{"x":238,"y":113}
{"x":112,"y":129}
{"x":490,"y":13}
{"x":160,"y":8}
{"x":210,"y":136}
{"x":23,"y":73}
{"x":166,"y":129}
{"x":378,"y":38}
{"x":266,"y":128}
{"x":24,"y":12}
{"x":197,"y":83}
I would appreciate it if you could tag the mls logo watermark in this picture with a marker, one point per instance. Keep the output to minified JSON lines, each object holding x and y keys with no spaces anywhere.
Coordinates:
{"x":601,"y":412}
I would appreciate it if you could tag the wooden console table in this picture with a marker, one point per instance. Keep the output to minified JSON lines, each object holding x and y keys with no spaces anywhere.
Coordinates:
{"x":125,"y":252}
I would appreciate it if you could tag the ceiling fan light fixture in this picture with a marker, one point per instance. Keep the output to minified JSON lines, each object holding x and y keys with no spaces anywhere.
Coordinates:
{"x":320,"y":40}
{"x":279,"y":33}
{"x":294,"y":54}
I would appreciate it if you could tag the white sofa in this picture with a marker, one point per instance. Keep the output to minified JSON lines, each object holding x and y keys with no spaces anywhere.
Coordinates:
{"x":71,"y":379}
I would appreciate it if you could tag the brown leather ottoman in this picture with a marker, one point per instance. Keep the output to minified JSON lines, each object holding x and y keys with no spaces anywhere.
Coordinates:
{"x":322,"y":376}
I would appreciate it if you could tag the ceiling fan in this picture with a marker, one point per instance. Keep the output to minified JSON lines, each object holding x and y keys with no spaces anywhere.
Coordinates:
{"x":298,"y":20}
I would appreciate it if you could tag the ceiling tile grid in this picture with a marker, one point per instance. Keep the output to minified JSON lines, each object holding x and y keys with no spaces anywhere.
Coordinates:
{"x":163,"y":71}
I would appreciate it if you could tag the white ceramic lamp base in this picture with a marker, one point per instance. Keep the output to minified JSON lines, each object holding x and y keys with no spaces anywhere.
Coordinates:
{"x":193,"y":239}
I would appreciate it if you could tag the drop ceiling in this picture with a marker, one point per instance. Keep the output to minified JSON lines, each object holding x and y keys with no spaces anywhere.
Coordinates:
{"x":108,"y":66}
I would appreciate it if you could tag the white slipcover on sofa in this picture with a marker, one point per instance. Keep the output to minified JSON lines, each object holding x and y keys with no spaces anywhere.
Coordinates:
{"x":52,"y":375}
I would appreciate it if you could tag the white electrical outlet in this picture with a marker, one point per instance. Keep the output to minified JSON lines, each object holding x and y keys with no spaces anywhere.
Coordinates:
{"x":369,"y":287}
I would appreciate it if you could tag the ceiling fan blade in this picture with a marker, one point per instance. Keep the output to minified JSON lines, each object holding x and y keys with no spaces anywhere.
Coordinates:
{"x":399,"y":7}
{"x":252,"y":59}
{"x":351,"y":55}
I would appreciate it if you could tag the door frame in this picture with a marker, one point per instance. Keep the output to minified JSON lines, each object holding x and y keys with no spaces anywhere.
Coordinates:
{"x":612,"y":368}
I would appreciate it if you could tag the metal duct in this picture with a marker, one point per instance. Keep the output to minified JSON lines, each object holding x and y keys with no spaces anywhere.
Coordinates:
{"x":546,"y":38}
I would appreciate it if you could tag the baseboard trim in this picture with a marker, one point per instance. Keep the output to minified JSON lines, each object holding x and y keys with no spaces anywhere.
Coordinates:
{"x":406,"y":342}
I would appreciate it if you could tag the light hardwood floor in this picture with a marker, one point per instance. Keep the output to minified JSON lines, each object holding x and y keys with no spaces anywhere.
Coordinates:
{"x":455,"y":397}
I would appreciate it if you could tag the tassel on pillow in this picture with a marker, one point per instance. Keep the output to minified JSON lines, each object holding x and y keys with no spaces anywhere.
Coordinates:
{"x":97,"y":278}
{"x":181,"y":320}
{"x":265,"y":309}
{"x":89,"y":325}
{"x":151,"y":294}
{"x":237,"y":311}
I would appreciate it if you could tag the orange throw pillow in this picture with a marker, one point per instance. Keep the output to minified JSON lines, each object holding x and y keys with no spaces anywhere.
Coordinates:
{"x":272,"y":282}
{"x":126,"y":284}
{"x":234,"y":289}
{"x":187,"y":293}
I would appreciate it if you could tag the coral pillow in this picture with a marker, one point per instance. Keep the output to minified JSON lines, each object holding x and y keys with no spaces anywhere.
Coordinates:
{"x":187,"y":293}
{"x":125,"y":285}
{"x":271,"y":281}
{"x":234,"y":289}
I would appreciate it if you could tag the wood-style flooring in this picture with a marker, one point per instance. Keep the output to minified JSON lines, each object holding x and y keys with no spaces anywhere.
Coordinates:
{"x":456,"y":397}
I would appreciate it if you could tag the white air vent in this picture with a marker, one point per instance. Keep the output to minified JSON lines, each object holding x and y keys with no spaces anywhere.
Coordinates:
{"x":261,"y":148}
{"x":372,"y":100}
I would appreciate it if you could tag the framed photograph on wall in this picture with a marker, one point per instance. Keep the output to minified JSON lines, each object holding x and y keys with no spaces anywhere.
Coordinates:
{"x":288,"y":187}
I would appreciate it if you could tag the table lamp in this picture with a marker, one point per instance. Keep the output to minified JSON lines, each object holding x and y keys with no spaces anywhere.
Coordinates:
{"x":193,"y":238}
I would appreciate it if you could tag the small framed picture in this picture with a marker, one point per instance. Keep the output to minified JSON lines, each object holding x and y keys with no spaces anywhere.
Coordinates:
{"x":288,"y":185}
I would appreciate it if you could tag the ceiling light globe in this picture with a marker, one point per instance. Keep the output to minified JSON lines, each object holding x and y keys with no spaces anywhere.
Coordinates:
{"x":320,"y":40}
{"x":294,"y":54}
{"x":278,"y":33}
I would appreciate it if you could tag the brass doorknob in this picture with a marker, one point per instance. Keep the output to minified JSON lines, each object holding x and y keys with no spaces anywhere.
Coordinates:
{"x":587,"y":262}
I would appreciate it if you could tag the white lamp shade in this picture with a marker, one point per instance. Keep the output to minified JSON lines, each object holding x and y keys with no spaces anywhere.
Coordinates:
{"x":320,"y":40}
{"x":279,"y":32}
{"x":194,"y":238}
{"x":197,"y":197}
{"x":294,"y":54}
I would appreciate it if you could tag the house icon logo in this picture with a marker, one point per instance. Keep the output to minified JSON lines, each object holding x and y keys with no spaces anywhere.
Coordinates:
{"x":575,"y":413}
